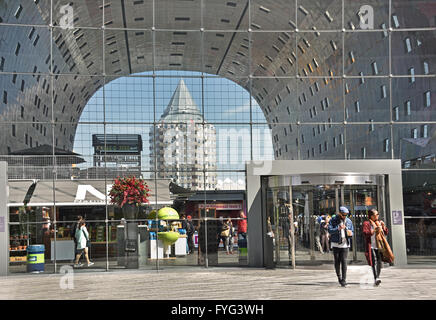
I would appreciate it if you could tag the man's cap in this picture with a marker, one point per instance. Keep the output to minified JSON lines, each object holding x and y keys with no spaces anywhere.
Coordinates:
{"x":344,"y":210}
{"x":189,"y":217}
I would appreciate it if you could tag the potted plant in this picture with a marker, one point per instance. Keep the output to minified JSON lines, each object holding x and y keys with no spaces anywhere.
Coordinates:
{"x":129,"y":193}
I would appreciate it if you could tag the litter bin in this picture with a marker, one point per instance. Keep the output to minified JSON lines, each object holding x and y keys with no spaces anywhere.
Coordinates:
{"x":35,"y":258}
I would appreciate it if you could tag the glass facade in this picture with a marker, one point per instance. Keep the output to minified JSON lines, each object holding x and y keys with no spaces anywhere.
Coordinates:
{"x":285,"y":80}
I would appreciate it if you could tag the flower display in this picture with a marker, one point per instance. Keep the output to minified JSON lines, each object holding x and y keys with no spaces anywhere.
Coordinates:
{"x":129,"y":190}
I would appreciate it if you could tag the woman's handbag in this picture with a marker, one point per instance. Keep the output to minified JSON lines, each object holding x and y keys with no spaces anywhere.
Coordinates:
{"x":384,"y":248}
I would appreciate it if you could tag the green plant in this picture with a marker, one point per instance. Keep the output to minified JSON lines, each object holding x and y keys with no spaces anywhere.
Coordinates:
{"x":129,"y":190}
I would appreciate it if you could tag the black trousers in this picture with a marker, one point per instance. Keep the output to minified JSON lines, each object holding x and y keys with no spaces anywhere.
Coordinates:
{"x":190,"y":242}
{"x":376,"y":262}
{"x":340,"y":255}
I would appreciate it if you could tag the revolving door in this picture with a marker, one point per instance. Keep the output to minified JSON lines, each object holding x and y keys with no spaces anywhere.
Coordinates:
{"x":298,"y":209}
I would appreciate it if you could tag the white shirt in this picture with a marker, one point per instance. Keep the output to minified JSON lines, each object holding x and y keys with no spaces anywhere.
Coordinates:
{"x":373,"y":243}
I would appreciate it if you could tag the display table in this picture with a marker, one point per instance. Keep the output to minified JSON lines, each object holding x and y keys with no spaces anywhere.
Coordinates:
{"x":64,"y":249}
{"x":152,"y":249}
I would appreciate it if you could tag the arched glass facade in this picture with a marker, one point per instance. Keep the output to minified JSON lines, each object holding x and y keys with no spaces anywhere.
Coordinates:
{"x":284,"y":80}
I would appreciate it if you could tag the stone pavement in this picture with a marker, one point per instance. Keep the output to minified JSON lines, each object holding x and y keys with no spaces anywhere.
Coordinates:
{"x":304,"y":283}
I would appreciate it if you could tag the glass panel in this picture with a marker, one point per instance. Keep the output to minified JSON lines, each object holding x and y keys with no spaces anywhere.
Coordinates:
{"x":414,"y":146}
{"x":128,"y":14}
{"x":272,"y":15}
{"x":372,"y":18}
{"x":322,"y":16}
{"x":360,"y":60}
{"x":272,"y":54}
{"x":233,"y":146}
{"x":262,"y":142}
{"x":29,"y":95}
{"x":69,"y":46}
{"x":68,"y":14}
{"x":325,"y":104}
{"x":25,"y":49}
{"x":21,"y":12}
{"x":362,"y":106}
{"x":28,"y":150}
{"x":127,"y":99}
{"x":180,"y":15}
{"x":233,"y":15}
{"x":321,"y":141}
{"x":414,"y":100}
{"x":412,"y":15}
{"x":419,"y":211}
{"x":225,"y":101}
{"x":319,"y":54}
{"x":376,"y":139}
{"x":140,"y":57}
{"x":28,"y":226}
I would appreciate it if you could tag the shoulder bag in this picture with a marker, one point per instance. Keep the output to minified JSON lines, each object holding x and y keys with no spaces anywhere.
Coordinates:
{"x":383,"y":245}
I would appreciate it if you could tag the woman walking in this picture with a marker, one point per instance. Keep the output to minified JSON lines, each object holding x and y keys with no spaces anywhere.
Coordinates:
{"x":82,"y":238}
{"x":371,"y":228}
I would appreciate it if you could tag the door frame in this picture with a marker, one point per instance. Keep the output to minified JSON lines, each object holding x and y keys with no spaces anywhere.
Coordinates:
{"x":255,"y":170}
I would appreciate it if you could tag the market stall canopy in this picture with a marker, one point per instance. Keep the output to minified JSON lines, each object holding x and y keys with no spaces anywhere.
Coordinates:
{"x":43,"y":156}
{"x":77,"y":192}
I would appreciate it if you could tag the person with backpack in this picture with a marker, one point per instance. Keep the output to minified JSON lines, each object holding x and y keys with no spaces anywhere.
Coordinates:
{"x":83,"y":243}
{"x":341,"y":230}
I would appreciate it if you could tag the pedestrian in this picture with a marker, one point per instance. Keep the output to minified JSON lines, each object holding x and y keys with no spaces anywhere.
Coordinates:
{"x":317,"y":233}
{"x":219,"y":229}
{"x":242,"y":226}
{"x":371,"y":228}
{"x":324,"y":227}
{"x":421,"y":230}
{"x":287,"y":232}
{"x":341,"y":229}
{"x":231,"y":235}
{"x":83,"y":243}
{"x":190,"y":229}
{"x":75,"y":226}
{"x":225,"y":235}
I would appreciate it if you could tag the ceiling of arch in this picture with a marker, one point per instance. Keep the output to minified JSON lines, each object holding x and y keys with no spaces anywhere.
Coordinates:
{"x":227,"y":38}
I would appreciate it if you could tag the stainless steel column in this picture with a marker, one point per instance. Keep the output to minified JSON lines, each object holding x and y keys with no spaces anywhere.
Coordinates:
{"x":4,"y":221}
{"x":291,"y":210}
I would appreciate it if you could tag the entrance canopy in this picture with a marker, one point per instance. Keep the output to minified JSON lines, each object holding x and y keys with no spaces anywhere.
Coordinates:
{"x":77,"y":192}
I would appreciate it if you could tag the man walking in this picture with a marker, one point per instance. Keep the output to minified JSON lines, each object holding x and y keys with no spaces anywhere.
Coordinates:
{"x":242,"y":226}
{"x":190,"y":229}
{"x":341,"y":229}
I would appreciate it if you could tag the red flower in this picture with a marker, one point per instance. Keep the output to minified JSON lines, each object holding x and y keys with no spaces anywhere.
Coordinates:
{"x":129,"y":190}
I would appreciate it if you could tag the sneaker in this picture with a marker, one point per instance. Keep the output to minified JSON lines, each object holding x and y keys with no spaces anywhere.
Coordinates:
{"x":78,"y":265}
{"x":90,"y":264}
{"x":377,"y":281}
{"x":343,"y":283}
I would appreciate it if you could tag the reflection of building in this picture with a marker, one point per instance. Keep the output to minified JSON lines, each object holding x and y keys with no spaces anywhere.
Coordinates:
{"x":118,"y":151}
{"x":185,"y":144}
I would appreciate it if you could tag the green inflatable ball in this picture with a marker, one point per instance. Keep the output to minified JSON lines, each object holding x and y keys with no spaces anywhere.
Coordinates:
{"x":167,"y":213}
